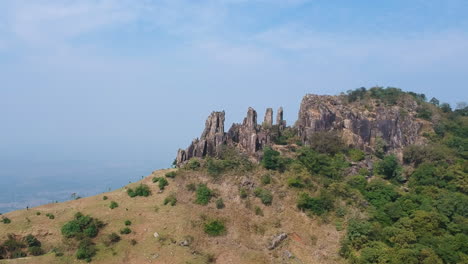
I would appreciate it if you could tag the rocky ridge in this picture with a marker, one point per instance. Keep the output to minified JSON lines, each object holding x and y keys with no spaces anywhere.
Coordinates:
{"x":360,"y":126}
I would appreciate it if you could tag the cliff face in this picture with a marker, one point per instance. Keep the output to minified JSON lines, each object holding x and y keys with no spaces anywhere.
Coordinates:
{"x":360,"y":125}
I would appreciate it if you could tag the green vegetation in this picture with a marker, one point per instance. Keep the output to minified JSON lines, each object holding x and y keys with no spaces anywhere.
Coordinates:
{"x":318,"y":205}
{"x":243,"y":193}
{"x":265,"y":195}
{"x":272,"y":160}
{"x":215,"y":228}
{"x":125,"y":231}
{"x":220,"y":203}
{"x":356,"y":155}
{"x":203,"y":194}
{"x":266,"y":179}
{"x":6,"y":220}
{"x":141,"y":190}
{"x":258,"y":211}
{"x":113,"y":205}
{"x":170,"y":199}
{"x":389,"y":168}
{"x":162,"y":182}
{"x":128,"y":222}
{"x":50,"y":216}
{"x":171,"y":174}
{"x":112,"y":239}
{"x":83,"y":228}
{"x":105,"y":197}
{"x":14,"y":247}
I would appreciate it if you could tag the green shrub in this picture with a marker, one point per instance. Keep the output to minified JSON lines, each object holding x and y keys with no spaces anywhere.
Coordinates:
{"x":105,"y":197}
{"x":171,"y":199}
{"x":171,"y":174}
{"x":266,"y":179}
{"x":272,"y":160}
{"x":326,"y":142}
{"x":389,"y":168}
{"x":38,"y":213}
{"x":141,"y":190}
{"x":50,"y":216}
{"x":86,"y":250}
{"x":81,"y":226}
{"x":6,"y":220}
{"x":318,"y":206}
{"x":156,"y":179}
{"x":162,"y":183}
{"x":322,"y":164}
{"x":32,"y":241}
{"x":215,"y":228}
{"x":128,"y":222}
{"x":113,"y":238}
{"x":258,"y":211}
{"x":193,"y":164}
{"x":36,"y":251}
{"x":295,"y":182}
{"x":220,"y":203}
{"x":113,"y":205}
{"x":356,"y":155}
{"x":125,"y":231}
{"x":203,"y":194}
{"x":265,"y":195}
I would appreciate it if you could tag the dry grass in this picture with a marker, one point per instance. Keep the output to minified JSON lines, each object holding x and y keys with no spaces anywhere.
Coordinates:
{"x":310,"y":240}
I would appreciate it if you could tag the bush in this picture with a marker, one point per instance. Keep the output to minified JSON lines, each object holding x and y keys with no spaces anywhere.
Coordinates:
{"x":141,"y":190}
{"x":81,"y":227}
{"x":113,"y":238}
{"x":272,"y":160}
{"x":258,"y":211}
{"x":125,"y":231}
{"x":203,"y":194}
{"x":295,"y":182}
{"x":389,"y":168}
{"x":128,"y":223}
{"x":171,"y":174}
{"x":318,"y":206}
{"x":326,"y":142}
{"x":32,"y":241}
{"x":113,"y":205}
{"x":356,"y":155}
{"x":266,"y":179}
{"x":220,"y":203}
{"x":265,"y":195}
{"x":162,"y":183}
{"x":50,"y":216}
{"x":86,"y":250}
{"x":36,"y":251}
{"x":6,"y":220}
{"x":171,"y":199}
{"x":215,"y":228}
{"x":193,"y":164}
{"x":38,"y":213}
{"x":105,"y":198}
{"x":322,"y":164}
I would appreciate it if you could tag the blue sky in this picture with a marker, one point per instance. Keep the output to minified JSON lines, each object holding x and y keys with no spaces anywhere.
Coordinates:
{"x":133,"y":80}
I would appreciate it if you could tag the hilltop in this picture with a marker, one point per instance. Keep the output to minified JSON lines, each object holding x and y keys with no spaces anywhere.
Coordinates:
{"x":370,"y":176}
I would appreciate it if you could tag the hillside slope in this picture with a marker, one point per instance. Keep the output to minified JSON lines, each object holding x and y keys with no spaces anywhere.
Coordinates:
{"x":246,"y":240}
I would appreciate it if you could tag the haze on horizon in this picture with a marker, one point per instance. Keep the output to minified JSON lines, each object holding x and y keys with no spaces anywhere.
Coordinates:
{"x":95,"y":93}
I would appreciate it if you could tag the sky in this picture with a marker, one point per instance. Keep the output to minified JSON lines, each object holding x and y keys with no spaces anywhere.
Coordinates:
{"x":122,"y":84}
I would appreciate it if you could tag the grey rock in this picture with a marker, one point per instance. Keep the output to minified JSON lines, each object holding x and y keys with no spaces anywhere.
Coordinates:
{"x":268,"y":120}
{"x":277,"y":240}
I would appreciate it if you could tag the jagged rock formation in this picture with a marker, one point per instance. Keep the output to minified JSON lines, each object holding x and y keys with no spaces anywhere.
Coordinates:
{"x":249,"y":137}
{"x":360,"y":126}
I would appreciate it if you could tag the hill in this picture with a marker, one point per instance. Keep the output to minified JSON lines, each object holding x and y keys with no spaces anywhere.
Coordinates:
{"x":370,"y":176}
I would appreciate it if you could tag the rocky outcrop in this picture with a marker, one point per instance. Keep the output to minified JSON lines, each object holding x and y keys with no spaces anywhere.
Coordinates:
{"x":366,"y":126}
{"x":249,"y":137}
{"x":360,"y":126}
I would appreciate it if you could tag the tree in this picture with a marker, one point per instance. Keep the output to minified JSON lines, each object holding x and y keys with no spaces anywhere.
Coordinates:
{"x":434,"y":101}
{"x":389,"y":168}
